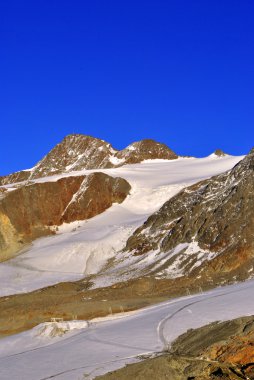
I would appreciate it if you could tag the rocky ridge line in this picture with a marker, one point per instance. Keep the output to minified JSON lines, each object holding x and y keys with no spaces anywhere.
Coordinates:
{"x":78,"y":152}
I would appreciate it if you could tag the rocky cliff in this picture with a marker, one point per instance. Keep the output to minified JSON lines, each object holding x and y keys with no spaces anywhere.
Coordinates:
{"x":31,"y":210}
{"x":78,"y":152}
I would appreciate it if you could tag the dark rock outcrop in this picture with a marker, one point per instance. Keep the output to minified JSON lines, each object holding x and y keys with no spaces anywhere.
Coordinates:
{"x":29,"y":211}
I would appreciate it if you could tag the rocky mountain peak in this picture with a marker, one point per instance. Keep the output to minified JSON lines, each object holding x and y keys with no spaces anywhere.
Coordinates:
{"x":219,"y":153}
{"x":77,"y":152}
{"x":146,"y":149}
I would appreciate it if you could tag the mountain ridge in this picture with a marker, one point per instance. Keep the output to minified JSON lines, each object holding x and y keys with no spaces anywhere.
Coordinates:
{"x":78,"y":152}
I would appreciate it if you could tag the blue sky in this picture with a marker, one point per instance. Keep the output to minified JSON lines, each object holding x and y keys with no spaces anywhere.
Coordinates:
{"x":181,"y":72}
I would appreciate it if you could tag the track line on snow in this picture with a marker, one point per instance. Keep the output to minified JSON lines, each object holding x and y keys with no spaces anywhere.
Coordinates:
{"x":161,"y":325}
{"x":160,"y":331}
{"x":47,"y":345}
{"x":111,"y":343}
{"x":94,"y":364}
{"x":84,"y":334}
{"x":32,"y":269}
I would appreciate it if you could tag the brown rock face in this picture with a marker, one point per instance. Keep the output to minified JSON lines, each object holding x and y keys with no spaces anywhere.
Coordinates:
{"x":218,"y":214}
{"x":145,"y":150}
{"x":78,"y":152}
{"x":75,"y":152}
{"x":29,"y":211}
{"x":15,"y":177}
{"x":219,"y":153}
{"x":97,"y":193}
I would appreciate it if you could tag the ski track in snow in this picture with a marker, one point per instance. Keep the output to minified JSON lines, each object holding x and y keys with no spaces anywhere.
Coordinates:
{"x":82,"y":248}
{"x":114,"y":342}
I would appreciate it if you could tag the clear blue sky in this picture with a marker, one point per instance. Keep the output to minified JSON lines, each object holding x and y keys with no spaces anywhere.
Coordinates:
{"x":181,"y":72}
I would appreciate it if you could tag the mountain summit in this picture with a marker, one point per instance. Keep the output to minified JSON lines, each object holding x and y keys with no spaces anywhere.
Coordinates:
{"x":78,"y":152}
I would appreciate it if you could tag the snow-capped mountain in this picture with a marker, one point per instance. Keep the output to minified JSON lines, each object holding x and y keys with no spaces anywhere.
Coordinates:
{"x":51,"y":204}
{"x":125,"y":229}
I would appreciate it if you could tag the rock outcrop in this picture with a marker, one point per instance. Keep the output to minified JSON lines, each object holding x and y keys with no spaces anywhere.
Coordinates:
{"x":78,"y":152}
{"x":145,"y":150}
{"x":31,"y":210}
{"x":214,"y":218}
{"x":219,"y":153}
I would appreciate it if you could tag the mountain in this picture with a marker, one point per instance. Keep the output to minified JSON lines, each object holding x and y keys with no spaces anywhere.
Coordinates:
{"x":34,"y":210}
{"x":205,"y":230}
{"x":78,"y":152}
{"x":117,"y":238}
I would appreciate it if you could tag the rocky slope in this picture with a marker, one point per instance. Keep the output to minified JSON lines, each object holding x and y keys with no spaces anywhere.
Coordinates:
{"x":206,"y":228}
{"x":77,"y":152}
{"x":39,"y":206}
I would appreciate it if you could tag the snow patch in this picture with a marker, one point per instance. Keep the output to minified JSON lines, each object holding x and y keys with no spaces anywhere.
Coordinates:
{"x":54,"y":329}
{"x":115,"y":160}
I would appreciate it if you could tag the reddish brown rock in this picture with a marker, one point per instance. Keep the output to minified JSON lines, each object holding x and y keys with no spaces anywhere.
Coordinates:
{"x":27,"y":212}
{"x":97,"y":193}
{"x":145,"y":150}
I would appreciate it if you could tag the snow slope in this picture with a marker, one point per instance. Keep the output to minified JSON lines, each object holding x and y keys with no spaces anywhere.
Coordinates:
{"x":106,"y":345}
{"x":82,"y":248}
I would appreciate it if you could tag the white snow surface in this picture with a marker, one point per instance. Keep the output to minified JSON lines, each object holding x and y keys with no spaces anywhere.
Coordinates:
{"x":83,"y":248}
{"x":102,"y":346}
